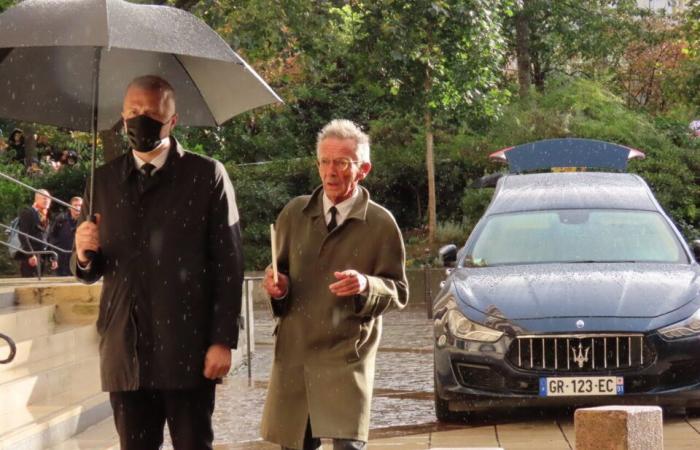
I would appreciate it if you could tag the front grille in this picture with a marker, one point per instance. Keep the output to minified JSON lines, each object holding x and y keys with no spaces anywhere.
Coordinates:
{"x":580,"y":353}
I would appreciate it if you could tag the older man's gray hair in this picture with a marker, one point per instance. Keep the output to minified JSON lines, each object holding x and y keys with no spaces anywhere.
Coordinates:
{"x":345,"y":129}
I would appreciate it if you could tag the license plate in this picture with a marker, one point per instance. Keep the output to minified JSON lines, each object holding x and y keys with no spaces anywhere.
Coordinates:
{"x":575,"y":386}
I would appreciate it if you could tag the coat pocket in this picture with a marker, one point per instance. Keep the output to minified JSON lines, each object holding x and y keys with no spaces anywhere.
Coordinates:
{"x":276,"y":340}
{"x":361,"y":342}
{"x":107,"y":308}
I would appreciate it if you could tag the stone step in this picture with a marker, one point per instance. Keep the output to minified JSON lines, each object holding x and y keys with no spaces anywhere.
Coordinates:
{"x":68,"y":344}
{"x":75,"y":303}
{"x":101,"y":436}
{"x":39,"y":427}
{"x":7,"y":297}
{"x":77,"y":379}
{"x":25,"y":322}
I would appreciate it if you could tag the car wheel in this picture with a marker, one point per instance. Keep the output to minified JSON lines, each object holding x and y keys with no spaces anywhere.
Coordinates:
{"x":443,"y":412}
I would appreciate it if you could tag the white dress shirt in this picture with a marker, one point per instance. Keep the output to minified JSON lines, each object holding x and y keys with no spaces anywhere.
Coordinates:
{"x":158,"y":162}
{"x":343,"y":207}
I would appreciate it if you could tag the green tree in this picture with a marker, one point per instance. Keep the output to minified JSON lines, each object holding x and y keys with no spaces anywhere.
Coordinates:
{"x":440,"y":60}
{"x":569,"y":36}
{"x":4,"y":4}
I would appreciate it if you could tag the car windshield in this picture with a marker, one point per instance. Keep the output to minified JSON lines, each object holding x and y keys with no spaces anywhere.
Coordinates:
{"x":575,"y":236}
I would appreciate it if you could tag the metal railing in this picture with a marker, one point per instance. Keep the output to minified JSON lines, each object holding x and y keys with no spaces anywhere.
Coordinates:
{"x":33,"y":253}
{"x":37,"y":191}
{"x":248,"y":283}
{"x":9,"y":230}
{"x":12,"y":346}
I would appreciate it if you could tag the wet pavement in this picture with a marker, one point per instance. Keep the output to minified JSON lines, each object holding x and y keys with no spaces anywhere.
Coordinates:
{"x":403,"y":417}
{"x":403,"y":382}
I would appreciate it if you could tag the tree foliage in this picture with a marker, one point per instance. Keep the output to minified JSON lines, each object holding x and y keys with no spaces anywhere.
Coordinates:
{"x":437,"y":72}
{"x":573,"y":36}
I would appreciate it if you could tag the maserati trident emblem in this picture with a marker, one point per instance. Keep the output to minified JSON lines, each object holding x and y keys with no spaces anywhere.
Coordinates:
{"x":580,"y":358}
{"x":580,"y":324}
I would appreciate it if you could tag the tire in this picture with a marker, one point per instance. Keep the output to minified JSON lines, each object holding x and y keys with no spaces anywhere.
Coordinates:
{"x":442,"y":409}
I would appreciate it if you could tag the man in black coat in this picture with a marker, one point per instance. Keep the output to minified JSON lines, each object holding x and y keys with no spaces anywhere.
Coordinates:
{"x":34,"y":222}
{"x":168,"y":245}
{"x":62,"y":234}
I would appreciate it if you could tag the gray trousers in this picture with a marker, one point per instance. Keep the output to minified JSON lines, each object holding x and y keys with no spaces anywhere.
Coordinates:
{"x":312,"y":443}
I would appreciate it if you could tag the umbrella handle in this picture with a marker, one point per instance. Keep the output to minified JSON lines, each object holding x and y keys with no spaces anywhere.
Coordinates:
{"x":91,"y":254}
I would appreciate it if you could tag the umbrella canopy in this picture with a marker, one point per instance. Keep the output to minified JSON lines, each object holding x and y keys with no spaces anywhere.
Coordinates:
{"x":68,"y":62}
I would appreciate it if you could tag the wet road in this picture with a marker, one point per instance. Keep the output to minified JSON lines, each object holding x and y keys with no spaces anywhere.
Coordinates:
{"x":402,"y":411}
{"x":403,"y":382}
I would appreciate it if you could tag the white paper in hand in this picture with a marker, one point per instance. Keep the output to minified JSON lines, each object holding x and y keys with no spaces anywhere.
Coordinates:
{"x":273,"y":243}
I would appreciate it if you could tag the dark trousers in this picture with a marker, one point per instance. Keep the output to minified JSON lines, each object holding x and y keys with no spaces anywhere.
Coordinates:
{"x":312,"y":443}
{"x":28,"y":271}
{"x":140,"y":416}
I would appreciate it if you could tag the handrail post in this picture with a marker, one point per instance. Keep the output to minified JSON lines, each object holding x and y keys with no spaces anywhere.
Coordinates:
{"x":249,"y":327}
{"x":428,"y":289}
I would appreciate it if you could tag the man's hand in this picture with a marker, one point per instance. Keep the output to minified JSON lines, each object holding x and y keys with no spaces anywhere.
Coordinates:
{"x":351,"y":282}
{"x":278,"y":290}
{"x":32,"y":261}
{"x":217,"y":362}
{"x":87,"y":237}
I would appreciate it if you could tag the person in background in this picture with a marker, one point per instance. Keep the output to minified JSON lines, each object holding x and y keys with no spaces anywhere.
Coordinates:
{"x":34,"y":221}
{"x":16,"y":145}
{"x":62,"y":234}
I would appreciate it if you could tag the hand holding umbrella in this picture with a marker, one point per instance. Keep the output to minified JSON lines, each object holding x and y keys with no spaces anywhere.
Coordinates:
{"x":87,"y":241}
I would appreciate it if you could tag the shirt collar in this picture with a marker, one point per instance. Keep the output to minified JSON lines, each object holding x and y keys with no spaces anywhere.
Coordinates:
{"x":343,"y":207}
{"x":158,"y":161}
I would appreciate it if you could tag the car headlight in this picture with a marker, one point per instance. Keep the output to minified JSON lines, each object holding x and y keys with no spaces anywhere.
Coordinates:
{"x":461,"y":327}
{"x":686,"y":328}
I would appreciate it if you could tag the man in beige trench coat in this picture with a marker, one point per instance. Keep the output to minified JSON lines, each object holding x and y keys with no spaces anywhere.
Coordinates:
{"x":341,"y":262}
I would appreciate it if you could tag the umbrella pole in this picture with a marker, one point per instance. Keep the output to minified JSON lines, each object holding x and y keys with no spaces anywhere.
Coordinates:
{"x":93,"y":128}
{"x":90,"y":254}
{"x":95,"y":99}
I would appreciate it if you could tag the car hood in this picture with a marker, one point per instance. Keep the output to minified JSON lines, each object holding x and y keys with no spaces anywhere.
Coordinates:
{"x":577,"y":290}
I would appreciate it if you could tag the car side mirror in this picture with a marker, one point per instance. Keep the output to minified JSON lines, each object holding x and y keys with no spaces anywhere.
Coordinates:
{"x":448,"y":255}
{"x":695,"y":246}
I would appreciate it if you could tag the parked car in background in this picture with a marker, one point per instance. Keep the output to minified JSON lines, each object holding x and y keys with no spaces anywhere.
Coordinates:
{"x":574,"y":288}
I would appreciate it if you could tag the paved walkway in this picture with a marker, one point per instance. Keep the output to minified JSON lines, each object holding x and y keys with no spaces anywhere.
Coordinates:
{"x":402,"y":412}
{"x":548,"y":434}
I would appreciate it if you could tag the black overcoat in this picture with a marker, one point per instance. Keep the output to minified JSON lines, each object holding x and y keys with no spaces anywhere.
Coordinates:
{"x":170,"y":254}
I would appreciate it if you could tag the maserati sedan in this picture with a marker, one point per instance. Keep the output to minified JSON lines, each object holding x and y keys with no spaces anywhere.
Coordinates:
{"x":575,"y":288}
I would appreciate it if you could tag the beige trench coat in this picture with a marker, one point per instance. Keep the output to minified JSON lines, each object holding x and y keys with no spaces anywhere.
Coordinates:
{"x":325,"y":347}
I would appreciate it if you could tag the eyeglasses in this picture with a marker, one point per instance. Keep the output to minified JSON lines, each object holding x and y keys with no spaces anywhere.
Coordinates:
{"x":341,"y":164}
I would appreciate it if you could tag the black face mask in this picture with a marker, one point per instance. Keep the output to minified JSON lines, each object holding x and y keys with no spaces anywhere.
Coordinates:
{"x":143,"y":133}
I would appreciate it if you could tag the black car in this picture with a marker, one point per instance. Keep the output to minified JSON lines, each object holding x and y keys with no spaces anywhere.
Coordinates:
{"x":574,"y":288}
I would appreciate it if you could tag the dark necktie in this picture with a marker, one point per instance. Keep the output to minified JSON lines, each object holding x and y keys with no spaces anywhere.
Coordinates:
{"x":333,"y":223}
{"x":145,"y":179}
{"x":148,"y":169}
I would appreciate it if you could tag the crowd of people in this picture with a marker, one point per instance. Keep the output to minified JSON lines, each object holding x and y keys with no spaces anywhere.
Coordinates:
{"x":46,"y":157}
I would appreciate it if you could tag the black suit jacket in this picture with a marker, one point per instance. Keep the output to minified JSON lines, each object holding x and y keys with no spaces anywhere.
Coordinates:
{"x":30,"y":223}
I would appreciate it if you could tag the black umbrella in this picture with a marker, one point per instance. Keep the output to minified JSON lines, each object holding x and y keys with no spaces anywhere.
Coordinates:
{"x":68,"y":63}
